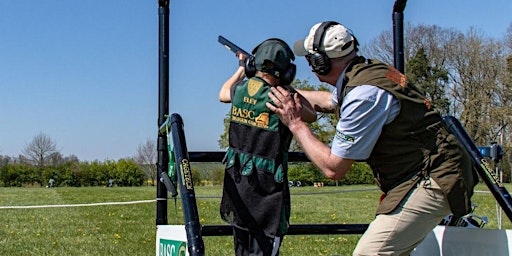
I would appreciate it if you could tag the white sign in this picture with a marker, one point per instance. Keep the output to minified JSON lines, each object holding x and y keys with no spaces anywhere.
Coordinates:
{"x":171,"y":240}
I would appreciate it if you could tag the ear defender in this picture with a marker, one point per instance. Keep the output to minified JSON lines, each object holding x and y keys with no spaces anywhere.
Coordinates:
{"x":289,"y":75}
{"x":286,"y":77}
{"x":250,"y":67}
{"x":319,"y":60}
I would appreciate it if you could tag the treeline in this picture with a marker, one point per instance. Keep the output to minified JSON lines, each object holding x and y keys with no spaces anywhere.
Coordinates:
{"x":127,"y":172}
{"x":307,"y":173}
{"x":41,"y":162}
{"x":124,"y":172}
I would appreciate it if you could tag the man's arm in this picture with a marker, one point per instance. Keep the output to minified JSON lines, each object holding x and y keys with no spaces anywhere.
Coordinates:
{"x":320,"y":100}
{"x":308,"y":112}
{"x":332,"y":166}
{"x":289,"y":111}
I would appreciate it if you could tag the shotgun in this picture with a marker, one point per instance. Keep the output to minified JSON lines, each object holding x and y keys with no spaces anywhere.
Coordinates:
{"x":232,"y":47}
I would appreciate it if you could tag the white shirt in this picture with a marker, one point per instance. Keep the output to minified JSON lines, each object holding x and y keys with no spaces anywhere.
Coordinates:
{"x":364,"y":111}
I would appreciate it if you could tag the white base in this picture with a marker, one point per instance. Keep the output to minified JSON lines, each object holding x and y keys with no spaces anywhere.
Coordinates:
{"x":447,"y":241}
{"x":171,"y":240}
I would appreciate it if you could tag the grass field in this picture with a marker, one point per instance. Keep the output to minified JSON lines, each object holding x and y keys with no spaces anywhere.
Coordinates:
{"x":129,"y":229}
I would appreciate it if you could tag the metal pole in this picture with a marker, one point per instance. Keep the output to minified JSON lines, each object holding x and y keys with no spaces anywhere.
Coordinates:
{"x":186,"y":185}
{"x":498,"y":208}
{"x":398,"y":34}
{"x":496,"y":157}
{"x":480,"y":164}
{"x":163,"y":109}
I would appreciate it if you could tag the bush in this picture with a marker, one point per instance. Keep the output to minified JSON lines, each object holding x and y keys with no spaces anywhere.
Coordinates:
{"x":308,"y":174}
{"x":128,"y":173}
{"x":360,"y":173}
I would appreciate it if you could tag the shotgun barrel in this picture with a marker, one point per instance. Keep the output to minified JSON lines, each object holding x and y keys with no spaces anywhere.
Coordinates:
{"x":231,"y":46}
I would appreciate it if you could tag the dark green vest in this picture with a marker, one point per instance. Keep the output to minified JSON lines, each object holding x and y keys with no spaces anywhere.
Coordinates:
{"x":256,"y":195}
{"x":415,"y":143}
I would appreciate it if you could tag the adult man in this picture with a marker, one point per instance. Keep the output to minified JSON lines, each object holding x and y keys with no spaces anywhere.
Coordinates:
{"x":422,"y":170}
{"x":256,"y":199}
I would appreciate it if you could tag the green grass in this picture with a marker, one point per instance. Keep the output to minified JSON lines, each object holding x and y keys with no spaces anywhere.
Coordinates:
{"x":129,"y":229}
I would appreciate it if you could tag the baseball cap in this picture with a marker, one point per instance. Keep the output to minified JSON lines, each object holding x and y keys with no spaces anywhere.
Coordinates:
{"x":276,"y":51}
{"x":336,"y":42}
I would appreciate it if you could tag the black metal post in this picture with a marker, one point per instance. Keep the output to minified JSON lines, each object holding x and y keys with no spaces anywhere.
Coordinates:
{"x":186,"y":186}
{"x":497,"y":189}
{"x":163,"y":109}
{"x":398,"y":34}
{"x":295,"y":229}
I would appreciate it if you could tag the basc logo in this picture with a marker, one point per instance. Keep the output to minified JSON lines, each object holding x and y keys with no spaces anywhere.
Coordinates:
{"x":172,"y":248}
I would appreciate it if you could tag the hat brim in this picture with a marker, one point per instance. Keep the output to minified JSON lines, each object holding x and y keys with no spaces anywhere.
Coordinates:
{"x":298,"y":48}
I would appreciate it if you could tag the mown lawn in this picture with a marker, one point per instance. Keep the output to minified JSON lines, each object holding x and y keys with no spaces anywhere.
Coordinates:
{"x":129,"y":229}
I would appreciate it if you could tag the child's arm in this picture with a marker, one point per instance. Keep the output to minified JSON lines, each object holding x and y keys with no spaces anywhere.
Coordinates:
{"x":239,"y":75}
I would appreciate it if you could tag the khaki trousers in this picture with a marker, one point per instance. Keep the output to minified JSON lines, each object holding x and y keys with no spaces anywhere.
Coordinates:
{"x":400,"y":231}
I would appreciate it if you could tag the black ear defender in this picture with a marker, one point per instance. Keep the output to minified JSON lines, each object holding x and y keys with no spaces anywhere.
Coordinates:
{"x":319,"y":60}
{"x":250,"y":67}
{"x":286,"y":77}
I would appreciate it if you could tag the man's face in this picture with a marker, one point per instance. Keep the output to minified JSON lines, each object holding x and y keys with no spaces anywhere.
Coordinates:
{"x":318,"y":65}
{"x":321,"y":78}
{"x":308,"y":58}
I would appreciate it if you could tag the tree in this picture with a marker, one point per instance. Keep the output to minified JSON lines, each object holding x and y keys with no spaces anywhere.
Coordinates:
{"x":476,"y":88}
{"x":224,"y":137}
{"x":508,"y":37}
{"x":430,"y":80}
{"x":39,"y":149}
{"x":4,"y":160}
{"x":128,"y":173}
{"x":146,"y":159}
{"x":55,"y":159}
{"x":433,"y":39}
{"x":380,"y":48}
{"x":478,"y":64}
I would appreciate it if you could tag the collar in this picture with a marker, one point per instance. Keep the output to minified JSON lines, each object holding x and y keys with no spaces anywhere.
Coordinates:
{"x":340,"y":83}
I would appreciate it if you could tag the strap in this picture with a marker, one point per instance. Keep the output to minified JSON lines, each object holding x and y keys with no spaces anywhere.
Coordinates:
{"x":320,"y":32}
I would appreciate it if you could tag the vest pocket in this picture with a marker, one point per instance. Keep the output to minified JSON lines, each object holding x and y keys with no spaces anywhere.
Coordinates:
{"x":278,"y":176}
{"x":246,"y":164}
{"x":247,"y":167}
{"x":229,"y":158}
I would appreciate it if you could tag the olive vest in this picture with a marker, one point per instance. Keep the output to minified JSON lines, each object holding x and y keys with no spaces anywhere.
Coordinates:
{"x":256,"y":195}
{"x":415,"y":145}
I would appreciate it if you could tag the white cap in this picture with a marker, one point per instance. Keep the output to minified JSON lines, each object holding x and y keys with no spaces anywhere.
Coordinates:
{"x":334,"y":43}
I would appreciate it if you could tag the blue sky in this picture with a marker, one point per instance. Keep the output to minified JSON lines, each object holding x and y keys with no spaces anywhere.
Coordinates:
{"x":86,"y":72}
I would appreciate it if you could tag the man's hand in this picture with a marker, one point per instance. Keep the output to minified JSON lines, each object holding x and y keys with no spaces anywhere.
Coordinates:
{"x":285,"y":105}
{"x":289,"y":111}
